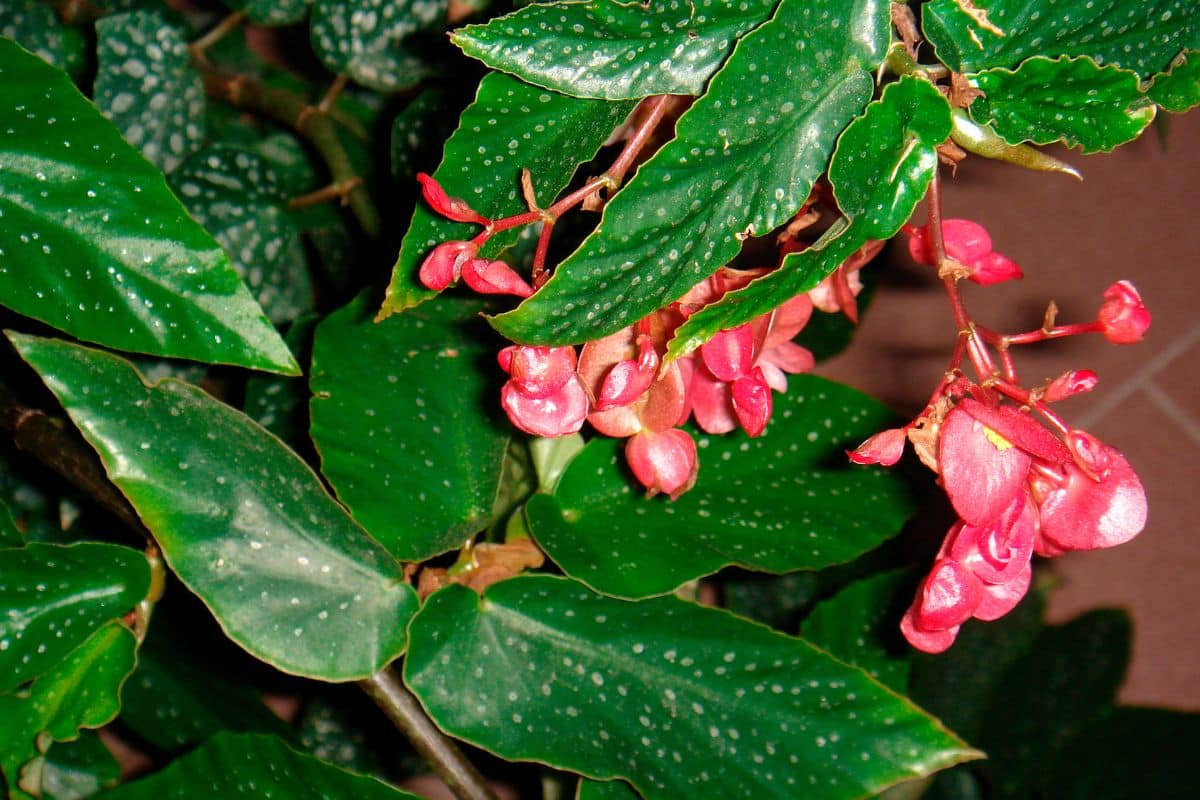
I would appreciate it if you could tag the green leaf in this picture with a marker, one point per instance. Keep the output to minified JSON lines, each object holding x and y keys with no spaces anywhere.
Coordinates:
{"x":1178,"y":89}
{"x":1068,"y":677}
{"x":10,"y":534}
{"x":172,"y":701}
{"x":510,"y":126}
{"x":236,"y":195}
{"x":82,"y":691}
{"x":252,"y":766}
{"x":146,"y":85}
{"x":92,"y":241}
{"x":743,"y":160}
{"x":372,"y":41}
{"x":881,"y":168}
{"x":676,"y":698}
{"x":1070,"y":100}
{"x":280,"y":404}
{"x":52,"y":597}
{"x":784,"y":501}
{"x":1142,"y":36}
{"x":605,"y":790}
{"x":612,"y":50}
{"x":860,"y":625}
{"x":407,"y":422}
{"x":1129,"y":754}
{"x":36,"y":27}
{"x":272,"y":12}
{"x":417,"y":133}
{"x":78,"y":769}
{"x":240,"y":518}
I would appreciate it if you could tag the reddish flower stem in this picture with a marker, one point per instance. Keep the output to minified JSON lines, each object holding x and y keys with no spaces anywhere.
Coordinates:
{"x":1026,"y":398}
{"x":1041,"y":335}
{"x":538,"y":275}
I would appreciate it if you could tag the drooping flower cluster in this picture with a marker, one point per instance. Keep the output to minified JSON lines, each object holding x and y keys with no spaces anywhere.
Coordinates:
{"x":1020,"y":479}
{"x":621,"y":384}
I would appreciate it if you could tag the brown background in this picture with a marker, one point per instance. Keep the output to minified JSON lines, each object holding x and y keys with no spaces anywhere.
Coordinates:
{"x":1133,"y":216}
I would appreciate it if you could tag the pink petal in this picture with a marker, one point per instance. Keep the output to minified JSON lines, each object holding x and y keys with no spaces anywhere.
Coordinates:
{"x":1001,"y":598}
{"x":996,"y":553}
{"x":663,"y":461}
{"x":1080,"y":513}
{"x":729,"y":354}
{"x":994,"y":268}
{"x":449,"y":207}
{"x":752,"y":402}
{"x":494,"y":277}
{"x":538,"y":371}
{"x":981,"y":471}
{"x":711,"y":403}
{"x":1123,"y":318}
{"x":947,"y":597}
{"x":557,"y":414}
{"x":926,"y":641}
{"x":885,"y":447}
{"x":443,"y":266}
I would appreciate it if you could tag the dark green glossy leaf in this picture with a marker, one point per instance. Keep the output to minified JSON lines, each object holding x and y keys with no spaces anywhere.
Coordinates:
{"x":1129,"y":754}
{"x":1070,"y":100}
{"x":52,"y":597}
{"x":93,"y":242}
{"x":774,"y":600}
{"x":417,"y":134}
{"x":371,"y":41}
{"x":280,"y":404}
{"x":236,"y":195}
{"x":880,"y":170}
{"x":10,"y":535}
{"x":605,"y":790}
{"x":272,"y":12}
{"x":678,"y":699}
{"x":146,"y":85}
{"x":510,"y":126}
{"x":1178,"y":89}
{"x":239,"y":517}
{"x":82,"y":691}
{"x":784,"y":501}
{"x":36,"y":27}
{"x":743,"y":160}
{"x":956,"y":686}
{"x":1142,"y":36}
{"x":172,"y":700}
{"x":73,"y":770}
{"x":252,"y":766}
{"x":612,"y":50}
{"x":406,"y":420}
{"x":1069,"y":676}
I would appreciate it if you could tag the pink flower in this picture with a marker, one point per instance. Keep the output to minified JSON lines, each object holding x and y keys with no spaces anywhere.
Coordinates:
{"x":443,"y":266}
{"x":449,"y":207}
{"x":969,"y":244}
{"x":1123,"y":318}
{"x":663,"y":461}
{"x":494,"y":277}
{"x":543,"y":396}
{"x":1097,"y":502}
{"x":947,"y":597}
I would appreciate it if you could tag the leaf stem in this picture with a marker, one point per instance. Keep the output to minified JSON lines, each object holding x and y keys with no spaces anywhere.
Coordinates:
{"x":294,"y":110}
{"x":406,"y":713}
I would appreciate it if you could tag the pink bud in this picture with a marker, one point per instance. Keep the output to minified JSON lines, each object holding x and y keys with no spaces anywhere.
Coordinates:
{"x":494,"y":277}
{"x":883,"y":448}
{"x":663,"y":461}
{"x":557,"y":414}
{"x":969,"y":244}
{"x":752,"y":402}
{"x":449,"y":207}
{"x":444,"y":265}
{"x":1069,"y":384}
{"x":994,"y":268}
{"x":628,"y":380}
{"x":729,"y":354}
{"x":1123,"y":318}
{"x":537,"y":371}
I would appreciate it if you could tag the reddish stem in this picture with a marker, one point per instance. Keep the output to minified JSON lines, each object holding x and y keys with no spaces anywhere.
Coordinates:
{"x":1025,"y":397}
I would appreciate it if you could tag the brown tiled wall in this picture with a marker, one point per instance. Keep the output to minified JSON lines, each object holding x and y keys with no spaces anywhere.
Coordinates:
{"x":1134,"y":216}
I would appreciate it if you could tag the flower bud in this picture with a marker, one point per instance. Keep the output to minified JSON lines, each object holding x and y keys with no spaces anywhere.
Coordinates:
{"x":1123,"y":318}
{"x":969,"y":244}
{"x":444,"y":265}
{"x":494,"y":277}
{"x":884,"y":448}
{"x":1069,"y":384}
{"x":449,"y":207}
{"x":752,"y":402}
{"x":663,"y":461}
{"x":557,"y":414}
{"x":537,"y":371}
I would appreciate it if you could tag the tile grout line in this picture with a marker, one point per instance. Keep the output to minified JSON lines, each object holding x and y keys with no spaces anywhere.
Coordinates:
{"x":1168,"y":406}
{"x":1135,"y":382}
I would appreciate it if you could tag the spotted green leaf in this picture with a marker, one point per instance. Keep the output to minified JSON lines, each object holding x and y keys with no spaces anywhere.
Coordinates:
{"x":81,"y":691}
{"x":405,"y":417}
{"x":249,"y":766}
{"x":784,"y":501}
{"x":880,"y":170}
{"x":237,"y":196}
{"x":280,"y":404}
{"x":510,"y":126}
{"x":678,"y":699}
{"x":52,"y":597}
{"x":612,"y":50}
{"x":74,"y":770}
{"x":373,"y":41}
{"x":860,"y":625}
{"x":605,"y":790}
{"x":93,"y":242}
{"x":1140,"y":36}
{"x":417,"y":133}
{"x":147,"y":86}
{"x":172,"y":702}
{"x":37,"y":28}
{"x":272,"y":12}
{"x":1072,"y":100}
{"x":743,"y":160}
{"x":1178,"y":89}
{"x":240,"y":518}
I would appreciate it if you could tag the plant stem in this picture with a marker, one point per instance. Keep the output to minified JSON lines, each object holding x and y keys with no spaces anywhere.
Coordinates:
{"x":295,"y":111}
{"x":405,"y":712}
